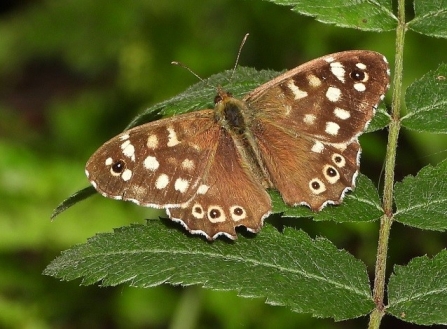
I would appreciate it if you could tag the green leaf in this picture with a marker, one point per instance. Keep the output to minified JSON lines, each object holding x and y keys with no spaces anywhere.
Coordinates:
{"x":380,"y":120}
{"x":426,"y":101}
{"x":417,"y":292}
{"x":361,"y":205}
{"x":73,"y":199}
{"x":289,"y":268}
{"x":366,"y":15}
{"x":421,"y":201}
{"x":430,"y":18}
{"x":201,"y":95}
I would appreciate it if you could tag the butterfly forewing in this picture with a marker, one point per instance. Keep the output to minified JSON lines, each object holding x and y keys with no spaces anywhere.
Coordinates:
{"x":331,"y":99}
{"x":158,"y":164}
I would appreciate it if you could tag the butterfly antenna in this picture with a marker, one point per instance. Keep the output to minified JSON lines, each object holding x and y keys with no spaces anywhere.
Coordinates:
{"x":187,"y":68}
{"x":239,"y":55}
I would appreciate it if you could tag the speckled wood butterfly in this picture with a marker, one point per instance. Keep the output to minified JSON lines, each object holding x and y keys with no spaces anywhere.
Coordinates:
{"x":210,"y":169}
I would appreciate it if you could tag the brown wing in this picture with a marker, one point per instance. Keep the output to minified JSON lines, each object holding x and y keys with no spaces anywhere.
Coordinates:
{"x":307,"y":121}
{"x":331,"y":99}
{"x":306,"y":171}
{"x":187,"y":164}
{"x":158,"y":164}
{"x":229,"y":195}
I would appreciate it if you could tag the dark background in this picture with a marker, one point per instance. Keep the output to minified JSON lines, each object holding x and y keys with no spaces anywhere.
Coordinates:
{"x":74,"y":73}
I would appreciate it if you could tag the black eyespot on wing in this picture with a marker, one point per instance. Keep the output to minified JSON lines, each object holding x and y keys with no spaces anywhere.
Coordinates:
{"x":357,"y":75}
{"x":215,"y":213}
{"x":331,"y":172}
{"x":118,"y":167}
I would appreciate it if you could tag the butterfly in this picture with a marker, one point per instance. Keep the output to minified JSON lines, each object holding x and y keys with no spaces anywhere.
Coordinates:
{"x":211,"y":169}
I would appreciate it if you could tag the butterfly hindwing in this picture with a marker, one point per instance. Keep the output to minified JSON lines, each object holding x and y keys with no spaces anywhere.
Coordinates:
{"x":306,"y":171}
{"x":230,"y":196}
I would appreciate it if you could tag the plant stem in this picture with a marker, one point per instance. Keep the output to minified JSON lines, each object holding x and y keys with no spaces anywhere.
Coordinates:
{"x":388,"y":190}
{"x":188,"y":310}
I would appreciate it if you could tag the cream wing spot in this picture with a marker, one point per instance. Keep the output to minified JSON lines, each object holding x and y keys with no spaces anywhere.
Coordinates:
{"x":237,"y":213}
{"x":309,"y":119}
{"x":216,"y":214}
{"x":317,"y":186}
{"x":188,"y":164}
{"x":338,"y":70}
{"x":361,"y":66}
{"x":297,"y":92}
{"x":314,"y":81}
{"x":126,"y":175}
{"x":340,"y":146}
{"x":152,"y":142}
{"x":162,"y":181}
{"x":359,"y":87}
{"x":341,"y":113}
{"x":124,"y":137}
{"x":172,"y":137}
{"x":202,"y":189}
{"x":125,"y":144}
{"x":318,"y":147}
{"x":108,"y":161}
{"x":128,"y":150}
{"x":329,"y":59}
{"x":181,"y":185}
{"x":151,"y":163}
{"x":332,"y":128}
{"x":333,"y":94}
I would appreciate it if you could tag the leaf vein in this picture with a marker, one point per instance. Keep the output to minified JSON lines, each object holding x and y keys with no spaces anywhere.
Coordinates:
{"x":243,"y":260}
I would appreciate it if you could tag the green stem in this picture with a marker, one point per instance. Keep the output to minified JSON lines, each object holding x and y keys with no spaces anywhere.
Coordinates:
{"x":390,"y":161}
{"x":188,"y":310}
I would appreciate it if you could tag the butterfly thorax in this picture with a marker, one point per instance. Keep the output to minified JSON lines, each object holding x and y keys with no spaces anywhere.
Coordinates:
{"x":233,"y":116}
{"x":230,"y":114}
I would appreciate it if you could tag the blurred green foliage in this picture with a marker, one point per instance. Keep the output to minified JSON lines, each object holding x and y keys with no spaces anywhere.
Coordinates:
{"x":74,"y":73}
